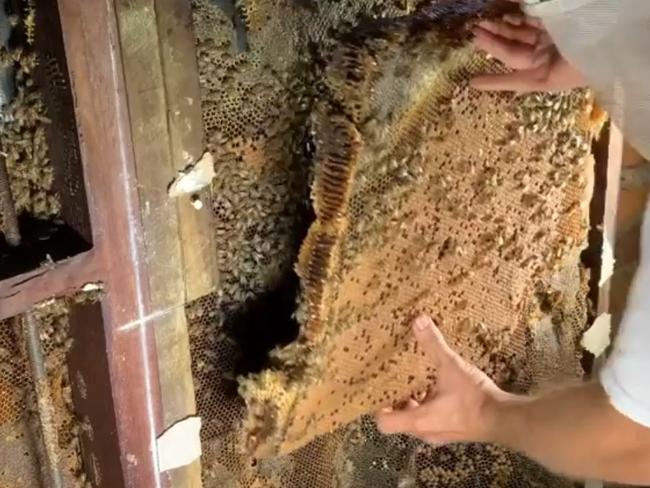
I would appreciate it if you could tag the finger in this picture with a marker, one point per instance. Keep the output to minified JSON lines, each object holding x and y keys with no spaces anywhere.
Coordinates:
{"x":399,"y":421}
{"x":523,"y":19}
{"x":518,"y":81}
{"x":522,"y":33}
{"x":513,"y":54}
{"x":436,"y":439}
{"x":404,"y":405}
{"x":519,"y":18}
{"x":432,"y":341}
{"x":423,"y":395}
{"x":534,"y":22}
{"x":515,"y":19}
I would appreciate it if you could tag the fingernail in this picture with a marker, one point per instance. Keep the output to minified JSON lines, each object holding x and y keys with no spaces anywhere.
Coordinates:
{"x":386,"y":410}
{"x":422,"y":323}
{"x":412,"y":403}
{"x":513,"y":19}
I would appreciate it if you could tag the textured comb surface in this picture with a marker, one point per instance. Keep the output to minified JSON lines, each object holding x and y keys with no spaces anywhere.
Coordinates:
{"x":266,"y":110}
{"x":22,"y":439}
{"x":430,"y":197}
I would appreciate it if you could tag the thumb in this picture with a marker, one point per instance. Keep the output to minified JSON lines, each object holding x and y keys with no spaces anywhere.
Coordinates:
{"x":433,"y":342}
{"x":399,"y":421}
{"x":516,"y":81}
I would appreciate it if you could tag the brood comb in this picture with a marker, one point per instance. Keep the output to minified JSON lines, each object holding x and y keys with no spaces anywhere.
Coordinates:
{"x":256,"y":105}
{"x":429,"y":197}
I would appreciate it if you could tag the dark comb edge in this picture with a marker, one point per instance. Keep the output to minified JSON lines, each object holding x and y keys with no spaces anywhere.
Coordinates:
{"x":449,"y":16}
{"x":337,"y":153}
{"x":319,"y":251}
{"x":347,"y":77}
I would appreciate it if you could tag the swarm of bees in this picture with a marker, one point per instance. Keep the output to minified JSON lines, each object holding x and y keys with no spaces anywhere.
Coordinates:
{"x":24,"y":144}
{"x":422,"y":192}
{"x":402,"y":228}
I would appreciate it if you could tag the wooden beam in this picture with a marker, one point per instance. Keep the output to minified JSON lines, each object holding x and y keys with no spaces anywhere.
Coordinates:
{"x":185,"y":122}
{"x":20,"y":293}
{"x":137,"y":105}
{"x":608,"y":153}
{"x":164,"y":108}
{"x":614,"y":157}
{"x":95,"y":63}
{"x":183,"y":95}
{"x":90,"y":381}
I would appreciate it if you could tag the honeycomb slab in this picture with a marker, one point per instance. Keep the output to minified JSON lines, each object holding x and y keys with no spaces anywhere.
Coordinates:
{"x":429,"y":197}
{"x":417,"y":185}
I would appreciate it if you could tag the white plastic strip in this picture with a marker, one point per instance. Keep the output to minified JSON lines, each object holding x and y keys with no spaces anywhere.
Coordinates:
{"x":179,"y":445}
{"x":598,"y":338}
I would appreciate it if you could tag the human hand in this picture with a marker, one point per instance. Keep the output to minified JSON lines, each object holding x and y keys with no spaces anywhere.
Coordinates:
{"x":523,"y":44}
{"x":462,"y":406}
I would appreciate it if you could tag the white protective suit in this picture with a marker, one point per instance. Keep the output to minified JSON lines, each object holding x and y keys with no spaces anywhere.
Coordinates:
{"x":609,"y":42}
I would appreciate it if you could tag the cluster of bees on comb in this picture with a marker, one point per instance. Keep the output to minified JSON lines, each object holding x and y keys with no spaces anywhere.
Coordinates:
{"x":23,"y":121}
{"x":388,"y":192}
{"x":421,"y":193}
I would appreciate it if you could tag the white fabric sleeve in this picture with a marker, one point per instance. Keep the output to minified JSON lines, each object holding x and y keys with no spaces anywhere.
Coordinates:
{"x":626,"y":375}
{"x":608,"y":41}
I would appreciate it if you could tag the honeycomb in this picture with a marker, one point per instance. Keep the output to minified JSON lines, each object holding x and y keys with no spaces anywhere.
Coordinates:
{"x":21,"y":441}
{"x":255,"y":107}
{"x":15,"y":446}
{"x":429,"y":197}
{"x":366,"y":459}
{"x":56,"y":342}
{"x":332,"y":98}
